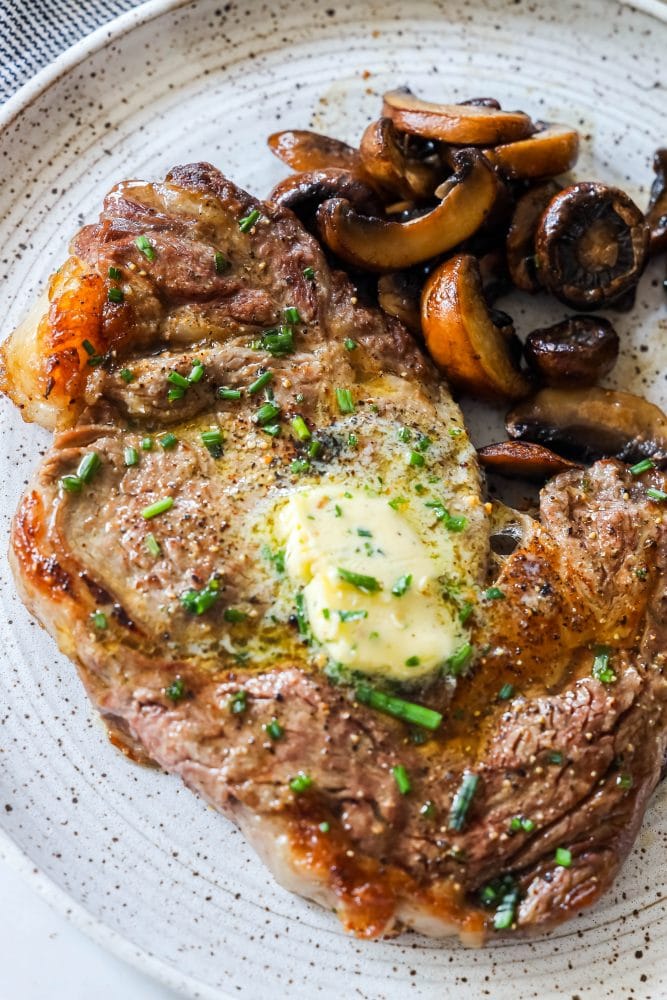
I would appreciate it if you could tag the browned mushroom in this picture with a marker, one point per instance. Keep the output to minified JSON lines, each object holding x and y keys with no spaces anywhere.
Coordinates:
{"x":656,"y":215}
{"x":579,"y":351}
{"x":522,"y":460}
{"x":591,"y":245}
{"x":305,"y":192}
{"x":592,"y":423}
{"x":379,"y":245}
{"x":474,"y":352}
{"x":548,"y":152}
{"x":461,"y":124}
{"x":304,"y":150}
{"x":520,"y":243}
{"x":387,"y":160}
{"x":399,"y":294}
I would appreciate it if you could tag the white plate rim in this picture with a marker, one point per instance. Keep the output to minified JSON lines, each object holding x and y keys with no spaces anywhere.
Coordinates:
{"x":10,"y":853}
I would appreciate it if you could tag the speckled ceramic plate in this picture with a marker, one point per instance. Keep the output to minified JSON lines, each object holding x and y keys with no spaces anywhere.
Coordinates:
{"x":129,"y":853}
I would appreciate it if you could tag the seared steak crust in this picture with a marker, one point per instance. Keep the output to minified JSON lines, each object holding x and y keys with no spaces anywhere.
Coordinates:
{"x":571,"y":755}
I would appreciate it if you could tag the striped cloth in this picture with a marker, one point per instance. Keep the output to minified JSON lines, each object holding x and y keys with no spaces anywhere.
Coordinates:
{"x":34,"y":32}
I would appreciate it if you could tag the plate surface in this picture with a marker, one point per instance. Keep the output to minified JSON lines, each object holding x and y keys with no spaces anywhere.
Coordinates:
{"x":129,"y":853}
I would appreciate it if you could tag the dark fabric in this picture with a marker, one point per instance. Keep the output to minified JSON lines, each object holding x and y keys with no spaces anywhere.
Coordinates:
{"x":34,"y":32}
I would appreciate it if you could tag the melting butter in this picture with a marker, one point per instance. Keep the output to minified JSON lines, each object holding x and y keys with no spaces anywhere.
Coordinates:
{"x":372,"y":579}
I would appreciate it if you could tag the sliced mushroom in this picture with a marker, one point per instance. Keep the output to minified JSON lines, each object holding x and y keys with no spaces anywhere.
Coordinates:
{"x":656,"y":215}
{"x":379,"y":245}
{"x":581,"y":351}
{"x":591,"y":245}
{"x":520,"y":243}
{"x":305,"y":192}
{"x":461,"y":336}
{"x":398,"y":295}
{"x":521,"y":460}
{"x":547,"y":153}
{"x":592,"y":423}
{"x":304,"y":150}
{"x":461,"y":124}
{"x":387,"y":160}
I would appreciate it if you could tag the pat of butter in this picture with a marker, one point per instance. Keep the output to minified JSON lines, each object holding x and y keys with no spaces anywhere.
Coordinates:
{"x":390,"y":617}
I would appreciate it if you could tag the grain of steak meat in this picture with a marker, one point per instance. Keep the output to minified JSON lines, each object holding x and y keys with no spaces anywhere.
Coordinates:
{"x":561,"y":719}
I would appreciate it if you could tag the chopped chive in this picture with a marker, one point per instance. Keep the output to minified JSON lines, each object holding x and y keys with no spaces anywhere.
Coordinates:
{"x":299,"y":465}
{"x":364,"y":533}
{"x":505,"y":914}
{"x":314,"y":448}
{"x":146,"y":247}
{"x":465,"y":611}
{"x":239,"y":702}
{"x":168,"y":441}
{"x":455,"y":432}
{"x":300,"y":428}
{"x":260,"y":382}
{"x":427,"y":809}
{"x":197,"y":373}
{"x":338,"y":511}
{"x":408,"y":711}
{"x":352,"y":440}
{"x":424,"y":443}
{"x":563,"y":857}
{"x":131,"y":456}
{"x":324,"y":827}
{"x":221,"y":262}
{"x":273,"y":430}
{"x":624,"y":781}
{"x":601,"y":669}
{"x":99,"y":619}
{"x":643,"y":466}
{"x":116,"y":295}
{"x":352,"y":616}
{"x":88,"y":466}
{"x":146,"y":444}
{"x":402,"y":585}
{"x":127,"y":376}
{"x":350,"y":345}
{"x":157,"y":508}
{"x":234,"y":615}
{"x":301,"y":615}
{"x":226,"y":393}
{"x":453,"y":522}
{"x":555,"y":757}
{"x":404,"y":434}
{"x":274,"y":729}
{"x":212,"y":441}
{"x":345,"y":400}
{"x":175,"y":378}
{"x":153,"y":545}
{"x":494,"y":594}
{"x":402,"y":779}
{"x":461,"y":801}
{"x":292,"y":316}
{"x":412,"y":661}
{"x":309,"y":273}
{"x":175,"y":393}
{"x":114,"y":273}
{"x":71,"y":484}
{"x":659,"y":495}
{"x":175,"y":690}
{"x":277,"y":342}
{"x":248,"y":221}
{"x":267,"y":412}
{"x":301,"y":783}
{"x":397,"y":502}
{"x":416,"y":459}
{"x":506,"y":692}
{"x":459,"y":660}
{"x":367,"y":584}
{"x":88,"y":348}
{"x":199,"y":601}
